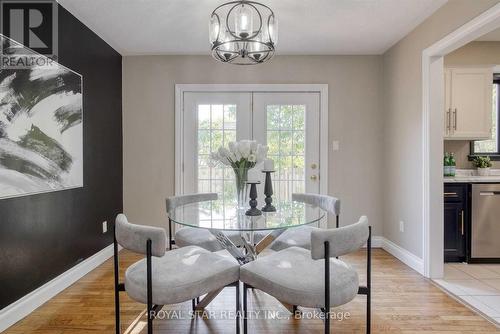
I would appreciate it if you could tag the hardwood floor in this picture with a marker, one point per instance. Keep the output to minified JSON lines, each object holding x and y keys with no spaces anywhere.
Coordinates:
{"x":403,"y":302}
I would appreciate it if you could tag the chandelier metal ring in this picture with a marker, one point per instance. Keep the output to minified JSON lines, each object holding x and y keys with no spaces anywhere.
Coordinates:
{"x":243,"y":32}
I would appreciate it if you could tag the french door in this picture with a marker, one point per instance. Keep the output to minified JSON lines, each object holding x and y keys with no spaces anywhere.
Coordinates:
{"x":289,"y":123}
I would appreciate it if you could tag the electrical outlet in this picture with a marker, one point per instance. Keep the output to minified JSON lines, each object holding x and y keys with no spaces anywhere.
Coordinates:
{"x":401,"y":226}
{"x":104,"y":227}
{"x":335,"y":145}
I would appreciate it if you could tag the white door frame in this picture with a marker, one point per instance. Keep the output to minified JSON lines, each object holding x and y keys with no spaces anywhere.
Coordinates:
{"x":322,"y":89}
{"x":433,"y":122}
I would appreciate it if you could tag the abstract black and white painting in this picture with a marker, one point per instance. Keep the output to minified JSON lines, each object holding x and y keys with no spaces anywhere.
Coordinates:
{"x":41,"y":127}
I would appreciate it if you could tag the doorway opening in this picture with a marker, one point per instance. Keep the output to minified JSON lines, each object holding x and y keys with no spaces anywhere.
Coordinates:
{"x":434,"y":105}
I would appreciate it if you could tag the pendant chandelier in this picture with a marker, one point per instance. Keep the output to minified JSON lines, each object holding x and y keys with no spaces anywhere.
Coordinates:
{"x":243,"y":32}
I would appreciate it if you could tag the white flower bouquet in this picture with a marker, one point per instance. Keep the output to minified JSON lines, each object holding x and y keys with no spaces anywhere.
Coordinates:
{"x":240,"y":156}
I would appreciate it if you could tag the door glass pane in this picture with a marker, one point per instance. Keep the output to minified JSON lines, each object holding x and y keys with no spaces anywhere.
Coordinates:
{"x":216,"y":127}
{"x":286,"y":141}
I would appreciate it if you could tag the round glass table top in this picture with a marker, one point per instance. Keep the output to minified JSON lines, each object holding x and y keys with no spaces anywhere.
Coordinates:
{"x":218,"y":215}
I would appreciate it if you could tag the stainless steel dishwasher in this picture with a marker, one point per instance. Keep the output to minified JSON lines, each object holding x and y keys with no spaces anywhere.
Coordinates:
{"x":485,"y":238}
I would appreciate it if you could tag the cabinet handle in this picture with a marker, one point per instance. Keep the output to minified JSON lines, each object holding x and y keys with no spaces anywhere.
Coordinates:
{"x":448,"y":120}
{"x":462,"y":222}
{"x":455,"y":119}
{"x":450,"y":194}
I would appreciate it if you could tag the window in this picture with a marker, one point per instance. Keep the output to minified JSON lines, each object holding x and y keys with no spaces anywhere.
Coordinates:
{"x":491,"y":146}
{"x":216,"y":127}
{"x":288,"y":122}
{"x":286,"y":141}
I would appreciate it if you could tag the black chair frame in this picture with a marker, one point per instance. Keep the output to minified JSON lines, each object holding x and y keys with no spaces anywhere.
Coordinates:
{"x":119,"y":287}
{"x":153,"y":309}
{"x":363,"y":290}
{"x":171,"y":240}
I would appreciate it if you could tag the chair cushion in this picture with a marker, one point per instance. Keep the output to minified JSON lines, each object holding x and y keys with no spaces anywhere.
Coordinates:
{"x":327,"y":203}
{"x":173,"y":202}
{"x":191,"y":236}
{"x":266,"y":252}
{"x":225,"y":253}
{"x":292,"y":276}
{"x":295,"y":236}
{"x":180,"y":275}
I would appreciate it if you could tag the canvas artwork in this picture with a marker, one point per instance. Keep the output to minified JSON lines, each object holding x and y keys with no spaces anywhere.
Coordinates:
{"x":41,"y":127}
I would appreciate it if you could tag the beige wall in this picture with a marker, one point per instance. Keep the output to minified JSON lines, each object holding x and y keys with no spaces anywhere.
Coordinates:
{"x":475,"y":53}
{"x":403,"y":178}
{"x":472,"y":54}
{"x":355,"y":120}
{"x":461,"y":149}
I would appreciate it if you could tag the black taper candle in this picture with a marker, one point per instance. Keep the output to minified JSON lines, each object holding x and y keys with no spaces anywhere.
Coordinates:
{"x":268,"y":191}
{"x":253,"y":211}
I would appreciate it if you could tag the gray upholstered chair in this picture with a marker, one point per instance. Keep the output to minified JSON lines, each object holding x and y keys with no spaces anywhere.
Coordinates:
{"x":190,"y":236}
{"x":171,"y":277}
{"x":328,"y":283}
{"x":300,"y":236}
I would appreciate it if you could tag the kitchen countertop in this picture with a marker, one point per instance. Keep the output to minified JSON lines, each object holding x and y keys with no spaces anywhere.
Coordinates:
{"x":470,"y":176}
{"x":472,"y":179}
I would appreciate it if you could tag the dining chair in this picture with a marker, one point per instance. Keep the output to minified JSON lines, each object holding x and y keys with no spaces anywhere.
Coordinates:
{"x":329,"y":282}
{"x":167,"y":277}
{"x":301,"y":236}
{"x":190,"y":236}
{"x":201,"y":237}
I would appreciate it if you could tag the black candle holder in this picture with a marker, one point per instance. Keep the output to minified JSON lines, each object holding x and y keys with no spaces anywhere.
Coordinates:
{"x":268,"y":191}
{"x":253,"y":211}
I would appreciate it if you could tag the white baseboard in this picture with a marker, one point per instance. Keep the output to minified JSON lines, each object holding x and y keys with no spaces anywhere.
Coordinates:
{"x":16,"y":311}
{"x":403,"y":255}
{"x":377,"y":242}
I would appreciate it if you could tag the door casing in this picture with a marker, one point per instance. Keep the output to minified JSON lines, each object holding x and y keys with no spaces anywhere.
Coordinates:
{"x":433,"y":100}
{"x":322,"y":89}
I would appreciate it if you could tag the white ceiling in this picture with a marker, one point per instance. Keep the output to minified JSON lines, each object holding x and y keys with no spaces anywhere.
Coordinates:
{"x":308,"y":27}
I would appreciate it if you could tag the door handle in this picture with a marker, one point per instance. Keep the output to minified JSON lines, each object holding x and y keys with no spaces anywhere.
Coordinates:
{"x":462,"y":222}
{"x":314,"y":177}
{"x":455,"y":119}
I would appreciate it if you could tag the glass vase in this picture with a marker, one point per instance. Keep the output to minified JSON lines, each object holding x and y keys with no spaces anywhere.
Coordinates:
{"x":241,"y":177}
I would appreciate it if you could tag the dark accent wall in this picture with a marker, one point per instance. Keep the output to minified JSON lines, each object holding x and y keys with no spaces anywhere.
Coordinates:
{"x":42,"y":236}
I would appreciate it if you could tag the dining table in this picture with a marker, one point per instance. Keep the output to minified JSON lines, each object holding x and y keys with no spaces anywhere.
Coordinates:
{"x":222,"y":217}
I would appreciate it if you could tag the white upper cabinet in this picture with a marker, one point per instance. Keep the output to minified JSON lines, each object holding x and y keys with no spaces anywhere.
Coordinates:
{"x":468,"y":103}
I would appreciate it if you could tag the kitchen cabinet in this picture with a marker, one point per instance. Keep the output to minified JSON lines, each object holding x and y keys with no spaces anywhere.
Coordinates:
{"x":455,"y":221}
{"x":468,"y":103}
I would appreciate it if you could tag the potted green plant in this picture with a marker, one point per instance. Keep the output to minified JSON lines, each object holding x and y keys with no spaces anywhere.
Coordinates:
{"x":483,"y":165}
